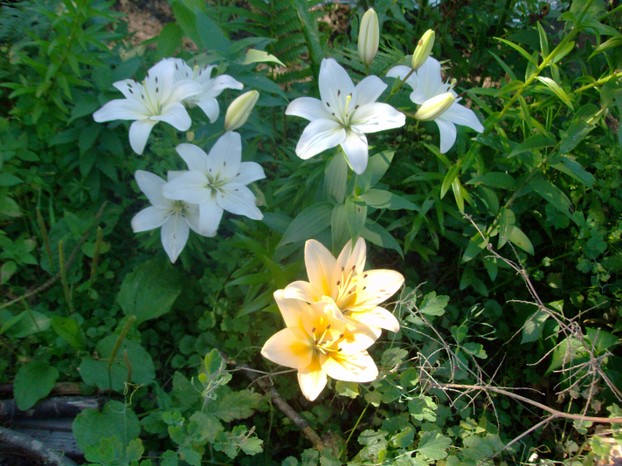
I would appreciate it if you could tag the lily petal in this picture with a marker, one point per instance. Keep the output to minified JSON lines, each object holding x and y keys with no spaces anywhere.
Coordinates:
{"x":460,"y":115}
{"x":210,"y":214}
{"x":353,"y":258}
{"x":289,"y":347}
{"x":448,"y":133}
{"x":238,"y":199}
{"x":210,"y":108}
{"x":368,"y":90}
{"x":312,"y":382}
{"x":174,"y":235}
{"x":321,"y":268}
{"x":194,"y":156}
{"x":308,"y":108}
{"x":334,"y":81}
{"x":302,"y":291}
{"x":189,"y":187}
{"x":293,"y":311}
{"x":377,"y":317}
{"x":318,"y":136}
{"x":377,"y":286}
{"x":120,"y":109}
{"x":357,"y":151}
{"x":376,"y":117}
{"x":151,"y":185}
{"x":249,"y":172}
{"x":356,"y":367}
{"x":175,"y":115}
{"x":139,"y":133}
{"x":149,"y":218}
{"x":225,"y":156}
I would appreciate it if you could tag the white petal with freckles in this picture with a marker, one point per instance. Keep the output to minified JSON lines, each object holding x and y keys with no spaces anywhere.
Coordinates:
{"x":149,"y":218}
{"x":174,"y":234}
{"x":139,"y":133}
{"x":356,"y":367}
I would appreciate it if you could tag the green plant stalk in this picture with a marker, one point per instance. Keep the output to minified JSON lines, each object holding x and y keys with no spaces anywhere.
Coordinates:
{"x":46,"y":239}
{"x":63,"y":276}
{"x":117,"y":344}
{"x":600,"y":81}
{"x":96,"y":253}
{"x":358,"y":421}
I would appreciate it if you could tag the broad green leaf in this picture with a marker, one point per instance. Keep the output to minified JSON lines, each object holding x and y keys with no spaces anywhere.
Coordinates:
{"x":115,"y":420}
{"x":25,"y":324}
{"x":404,"y":438}
{"x":434,"y":305}
{"x":336,"y":178}
{"x":69,"y":330}
{"x":376,"y":168}
{"x":507,"y":221}
{"x":494,"y":179}
{"x":130,"y":360}
{"x":562,"y":52}
{"x":33,"y":381}
{"x":578,"y":130}
{"x":235,"y":405}
{"x":434,"y":445}
{"x":476,"y":245}
{"x":575,"y":170}
{"x":259,"y":56}
{"x":532,"y":329}
{"x":557,"y":90}
{"x":150,"y":290}
{"x":553,"y":195}
{"x":308,"y":223}
{"x":379,"y":236}
{"x":520,"y":239}
{"x":531,"y":144}
{"x":340,"y":233}
{"x":381,"y":199}
{"x":356,"y":215}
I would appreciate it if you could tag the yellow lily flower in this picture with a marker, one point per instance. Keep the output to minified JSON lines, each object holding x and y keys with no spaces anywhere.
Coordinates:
{"x":356,"y":292}
{"x":320,"y":343}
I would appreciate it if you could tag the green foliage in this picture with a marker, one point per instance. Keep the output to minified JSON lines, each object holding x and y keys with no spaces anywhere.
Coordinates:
{"x":510,"y":243}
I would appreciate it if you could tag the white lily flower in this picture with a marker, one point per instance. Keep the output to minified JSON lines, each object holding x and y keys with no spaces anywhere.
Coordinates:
{"x":427,"y":84}
{"x":174,"y":218}
{"x":343,"y":115}
{"x":158,"y":98}
{"x":216,"y":182}
{"x":210,"y":87}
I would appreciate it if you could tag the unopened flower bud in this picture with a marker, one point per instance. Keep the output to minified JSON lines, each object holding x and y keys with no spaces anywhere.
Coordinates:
{"x":240,"y":109}
{"x":369,"y":36}
{"x":423,"y":49}
{"x":433,"y":108}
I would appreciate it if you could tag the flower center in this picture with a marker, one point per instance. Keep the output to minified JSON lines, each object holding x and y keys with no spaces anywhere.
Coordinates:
{"x":343,"y":110}
{"x":326,"y":340}
{"x":347,"y":287}
{"x":179,"y":208}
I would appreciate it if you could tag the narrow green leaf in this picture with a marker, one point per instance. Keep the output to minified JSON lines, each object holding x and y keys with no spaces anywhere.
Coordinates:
{"x":557,"y":90}
{"x":451,"y":174}
{"x":544,"y":42}
{"x":259,"y":56}
{"x":519,"y":49}
{"x":532,"y":329}
{"x":381,"y":199}
{"x":494,"y":179}
{"x":563,"y":51}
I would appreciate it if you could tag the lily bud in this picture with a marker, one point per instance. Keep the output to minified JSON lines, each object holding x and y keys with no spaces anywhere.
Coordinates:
{"x":423,"y":49}
{"x":240,"y":109}
{"x":433,"y":108}
{"x":369,"y":36}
